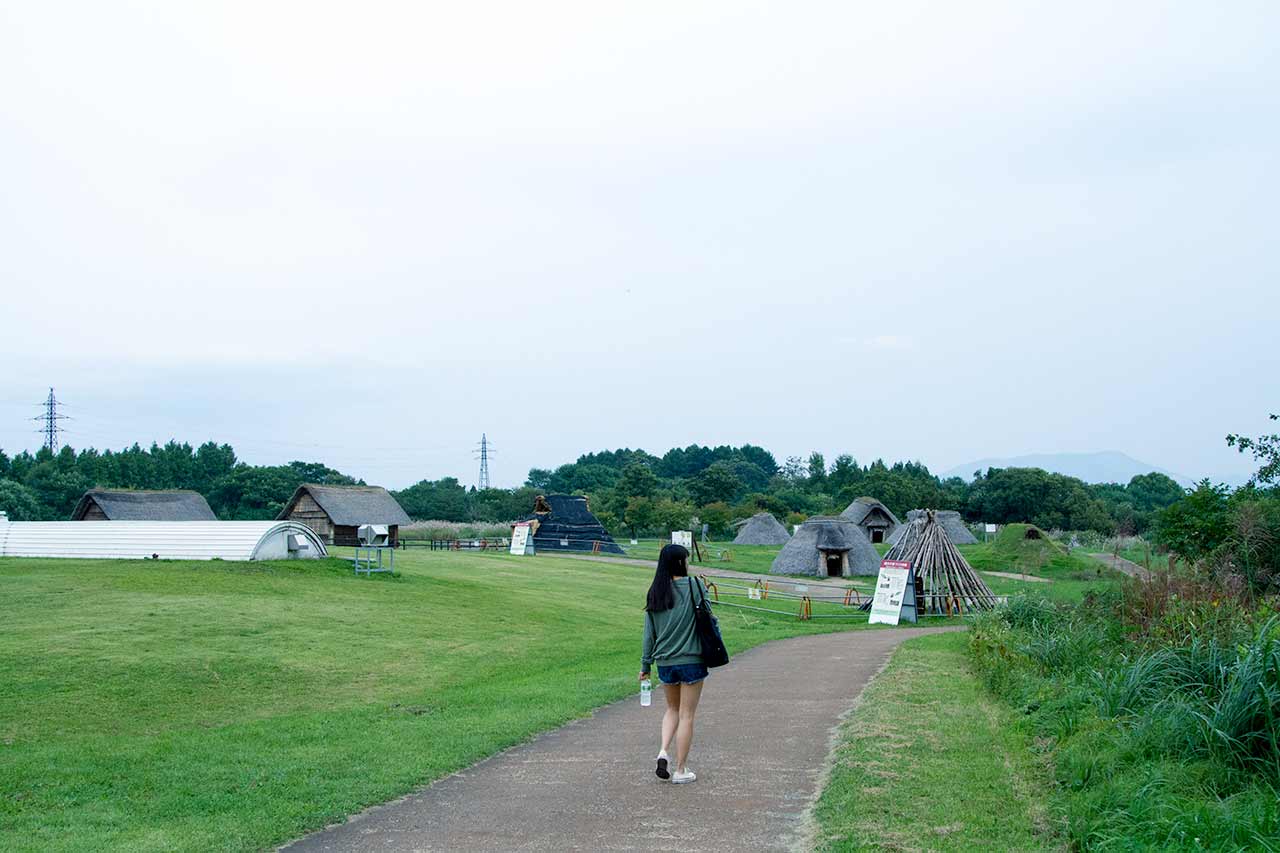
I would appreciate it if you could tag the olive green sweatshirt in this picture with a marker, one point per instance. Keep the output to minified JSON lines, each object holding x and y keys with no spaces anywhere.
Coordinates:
{"x":669,"y":637}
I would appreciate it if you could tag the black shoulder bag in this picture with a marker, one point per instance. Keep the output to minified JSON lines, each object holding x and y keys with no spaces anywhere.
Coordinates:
{"x":713,"y":651}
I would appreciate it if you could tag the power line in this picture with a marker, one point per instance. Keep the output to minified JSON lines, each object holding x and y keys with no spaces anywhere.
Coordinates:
{"x":484,"y":450}
{"x":50,"y":418}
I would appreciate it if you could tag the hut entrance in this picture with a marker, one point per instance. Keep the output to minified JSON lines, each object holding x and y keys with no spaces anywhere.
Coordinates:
{"x":877,"y":534}
{"x":835,"y":563}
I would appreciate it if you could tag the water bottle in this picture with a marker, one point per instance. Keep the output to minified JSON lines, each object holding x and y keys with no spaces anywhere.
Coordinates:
{"x":646,"y":693}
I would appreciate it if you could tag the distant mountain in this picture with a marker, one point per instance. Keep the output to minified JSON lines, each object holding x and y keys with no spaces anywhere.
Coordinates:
{"x":1108,"y":466}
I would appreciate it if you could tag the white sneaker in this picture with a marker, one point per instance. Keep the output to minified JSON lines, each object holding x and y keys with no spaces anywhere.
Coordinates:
{"x":683,"y":778}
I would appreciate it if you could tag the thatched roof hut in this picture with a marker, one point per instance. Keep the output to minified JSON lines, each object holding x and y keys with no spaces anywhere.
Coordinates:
{"x":876,"y":520}
{"x":950,"y":520}
{"x":949,"y":583}
{"x":762,"y":529}
{"x":142,"y":505}
{"x":336,"y":512}
{"x":827,"y":547}
{"x":566,"y":523}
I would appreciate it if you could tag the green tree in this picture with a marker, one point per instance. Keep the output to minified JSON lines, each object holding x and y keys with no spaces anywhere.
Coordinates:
{"x":717,"y":482}
{"x":671,"y":515}
{"x":18,"y":502}
{"x":1197,"y":524}
{"x":436,"y":500}
{"x":254,"y":492}
{"x":1265,"y":450}
{"x":640,"y":516}
{"x":817,"y":470}
{"x":637,"y":480}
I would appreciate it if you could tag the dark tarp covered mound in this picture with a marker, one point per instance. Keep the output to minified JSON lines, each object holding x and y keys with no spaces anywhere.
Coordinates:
{"x":565,"y":523}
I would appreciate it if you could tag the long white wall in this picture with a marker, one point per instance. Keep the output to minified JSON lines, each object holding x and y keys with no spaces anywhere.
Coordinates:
{"x":169,"y":540}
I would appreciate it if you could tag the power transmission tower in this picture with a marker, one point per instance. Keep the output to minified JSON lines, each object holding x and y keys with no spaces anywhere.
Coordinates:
{"x":483,"y":452}
{"x":50,"y":418}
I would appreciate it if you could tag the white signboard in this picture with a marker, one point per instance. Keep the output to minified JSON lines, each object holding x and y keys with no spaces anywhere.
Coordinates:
{"x":891,"y":589}
{"x":754,"y":593}
{"x":682,"y":537}
{"x":521,"y":542}
{"x":991,"y":528}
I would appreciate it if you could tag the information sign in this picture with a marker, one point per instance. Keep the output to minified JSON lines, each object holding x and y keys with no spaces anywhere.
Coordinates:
{"x":521,"y":541}
{"x":682,"y":537}
{"x":753,"y":593}
{"x":895,"y":596}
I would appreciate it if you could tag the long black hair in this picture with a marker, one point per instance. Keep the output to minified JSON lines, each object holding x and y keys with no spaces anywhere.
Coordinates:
{"x":673,"y":563}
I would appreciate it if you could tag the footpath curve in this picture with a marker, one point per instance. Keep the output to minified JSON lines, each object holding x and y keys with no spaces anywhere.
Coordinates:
{"x":1120,"y":564}
{"x":764,"y":731}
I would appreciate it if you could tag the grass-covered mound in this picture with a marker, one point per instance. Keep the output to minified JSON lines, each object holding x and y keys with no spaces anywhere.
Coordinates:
{"x":1026,"y":549}
{"x":1157,"y":711}
{"x":170,"y":705}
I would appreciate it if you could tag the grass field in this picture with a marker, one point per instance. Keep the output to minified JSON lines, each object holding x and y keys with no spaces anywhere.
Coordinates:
{"x":154,"y":705}
{"x":931,"y":761}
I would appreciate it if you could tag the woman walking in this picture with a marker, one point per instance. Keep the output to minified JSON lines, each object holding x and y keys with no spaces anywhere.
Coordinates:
{"x":671,"y":641}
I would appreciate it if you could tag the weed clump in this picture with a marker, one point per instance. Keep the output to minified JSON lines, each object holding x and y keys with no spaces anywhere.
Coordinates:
{"x":1159,"y":706}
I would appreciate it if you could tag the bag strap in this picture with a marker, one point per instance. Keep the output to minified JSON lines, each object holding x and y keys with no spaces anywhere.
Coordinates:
{"x":694,"y":585}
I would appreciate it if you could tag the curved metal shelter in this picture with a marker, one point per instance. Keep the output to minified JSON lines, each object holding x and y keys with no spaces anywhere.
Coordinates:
{"x":166,"y":540}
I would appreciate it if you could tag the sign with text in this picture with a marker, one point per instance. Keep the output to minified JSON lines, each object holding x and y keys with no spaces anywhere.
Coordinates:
{"x":895,"y":596}
{"x":682,"y":537}
{"x":521,"y":541}
{"x":990,"y":528}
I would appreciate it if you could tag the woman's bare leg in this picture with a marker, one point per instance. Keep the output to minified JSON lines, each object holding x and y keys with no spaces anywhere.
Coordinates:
{"x":689,"y":695}
{"x":671,"y":716}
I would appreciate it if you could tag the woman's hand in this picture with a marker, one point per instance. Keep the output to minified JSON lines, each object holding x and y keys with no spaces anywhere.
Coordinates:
{"x":644,"y":676}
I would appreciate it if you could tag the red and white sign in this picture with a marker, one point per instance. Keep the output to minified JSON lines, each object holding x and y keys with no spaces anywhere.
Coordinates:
{"x":521,"y":543}
{"x":891,"y":586}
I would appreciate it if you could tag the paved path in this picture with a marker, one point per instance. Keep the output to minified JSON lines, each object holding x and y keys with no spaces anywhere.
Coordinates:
{"x":764,"y":731}
{"x":1014,"y":576}
{"x":1121,"y":564}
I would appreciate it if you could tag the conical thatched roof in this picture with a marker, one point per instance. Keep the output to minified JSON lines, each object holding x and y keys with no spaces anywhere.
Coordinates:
{"x":762,"y":529}
{"x":806,"y":553}
{"x":950,"y":583}
{"x":949,"y":519}
{"x":867,"y":510}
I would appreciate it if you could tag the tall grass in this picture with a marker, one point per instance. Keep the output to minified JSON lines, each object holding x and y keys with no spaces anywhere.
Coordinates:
{"x":1159,"y":706}
{"x":455,"y":530}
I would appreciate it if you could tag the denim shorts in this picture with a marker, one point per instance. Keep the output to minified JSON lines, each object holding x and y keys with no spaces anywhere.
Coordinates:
{"x":685,"y":673}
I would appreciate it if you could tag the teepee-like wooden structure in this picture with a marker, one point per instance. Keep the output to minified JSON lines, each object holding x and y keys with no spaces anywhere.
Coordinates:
{"x":945,"y":580}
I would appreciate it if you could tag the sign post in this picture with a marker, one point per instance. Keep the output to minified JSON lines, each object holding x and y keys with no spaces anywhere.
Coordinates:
{"x":683,"y":537}
{"x":521,"y":541}
{"x":895,"y":596}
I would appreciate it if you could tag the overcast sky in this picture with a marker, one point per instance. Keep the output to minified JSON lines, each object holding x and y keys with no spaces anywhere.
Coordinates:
{"x":364,"y":233}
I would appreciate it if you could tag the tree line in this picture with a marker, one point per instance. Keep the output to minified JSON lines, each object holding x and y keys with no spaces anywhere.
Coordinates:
{"x":629,"y":490}
{"x":1231,"y":535}
{"x":45,"y":486}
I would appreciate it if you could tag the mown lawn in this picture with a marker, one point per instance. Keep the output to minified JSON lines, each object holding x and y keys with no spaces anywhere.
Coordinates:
{"x":715,"y":555}
{"x":930,"y":761}
{"x":232,"y":706}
